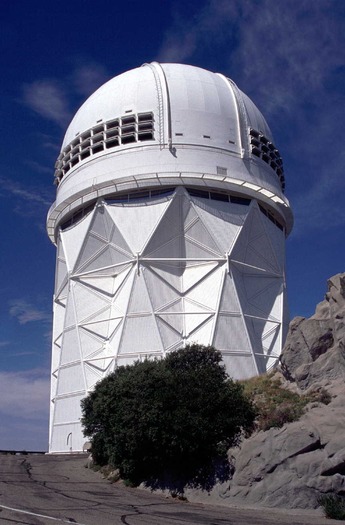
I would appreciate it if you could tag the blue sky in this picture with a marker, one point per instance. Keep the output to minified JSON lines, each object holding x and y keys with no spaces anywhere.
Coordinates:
{"x":287,"y":55}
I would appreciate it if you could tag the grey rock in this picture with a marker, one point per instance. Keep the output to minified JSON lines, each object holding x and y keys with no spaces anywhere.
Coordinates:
{"x":314,"y":351}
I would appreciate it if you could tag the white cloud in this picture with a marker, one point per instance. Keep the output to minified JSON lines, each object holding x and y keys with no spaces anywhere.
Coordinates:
{"x":53,"y":99}
{"x":24,"y":410}
{"x":185,"y":36}
{"x":21,"y":191}
{"x":48,"y":99}
{"x":25,"y":312}
{"x":24,"y":395}
{"x":88,"y":77}
{"x":26,"y":201}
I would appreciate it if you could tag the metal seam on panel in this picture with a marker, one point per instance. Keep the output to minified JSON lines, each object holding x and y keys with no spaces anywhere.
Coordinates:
{"x":158,"y":65}
{"x":160,"y":101}
{"x":230,"y":87}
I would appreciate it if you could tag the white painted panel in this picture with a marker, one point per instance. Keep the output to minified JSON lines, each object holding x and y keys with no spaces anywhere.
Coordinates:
{"x":240,"y":367}
{"x":199,"y":273}
{"x":70,"y":347}
{"x":73,"y":238}
{"x":90,"y":343}
{"x":88,"y":301}
{"x":140,"y":333}
{"x":170,"y":337}
{"x":199,"y":233}
{"x":139,"y":300}
{"x":67,"y":409}
{"x":137,"y":223}
{"x":204,"y":334}
{"x":230,"y":334}
{"x":70,"y":379}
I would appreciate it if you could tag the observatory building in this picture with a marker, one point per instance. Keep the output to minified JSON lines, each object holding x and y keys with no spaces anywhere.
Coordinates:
{"x":170,"y":223}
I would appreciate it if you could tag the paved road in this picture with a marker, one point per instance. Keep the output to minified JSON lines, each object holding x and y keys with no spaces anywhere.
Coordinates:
{"x":48,"y":490}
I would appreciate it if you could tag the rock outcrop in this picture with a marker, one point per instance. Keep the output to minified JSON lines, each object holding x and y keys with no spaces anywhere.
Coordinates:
{"x":314,"y":351}
{"x":292,"y":466}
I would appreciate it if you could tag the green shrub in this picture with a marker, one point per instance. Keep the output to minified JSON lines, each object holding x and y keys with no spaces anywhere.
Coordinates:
{"x":167,"y":417}
{"x":333,"y":506}
{"x":276,"y":405}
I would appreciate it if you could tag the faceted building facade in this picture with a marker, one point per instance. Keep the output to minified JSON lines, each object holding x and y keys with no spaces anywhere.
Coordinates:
{"x":170,"y":223}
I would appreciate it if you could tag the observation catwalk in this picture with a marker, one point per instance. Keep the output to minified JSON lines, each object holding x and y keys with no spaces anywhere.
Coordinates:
{"x":170,"y":222}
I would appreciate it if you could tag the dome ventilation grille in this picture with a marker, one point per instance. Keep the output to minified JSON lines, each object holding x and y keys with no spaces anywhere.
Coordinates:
{"x":117,"y":132}
{"x":264,"y":149}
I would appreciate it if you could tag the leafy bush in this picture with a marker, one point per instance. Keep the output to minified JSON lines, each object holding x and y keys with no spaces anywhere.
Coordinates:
{"x":277,"y":405}
{"x":170,"y":416}
{"x":333,"y":506}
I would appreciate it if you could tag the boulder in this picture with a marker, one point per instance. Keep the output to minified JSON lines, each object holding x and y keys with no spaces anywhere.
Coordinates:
{"x":314,"y":351}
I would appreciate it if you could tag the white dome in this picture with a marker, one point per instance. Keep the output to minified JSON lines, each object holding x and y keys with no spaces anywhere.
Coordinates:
{"x":167,"y":125}
{"x":201,"y":103}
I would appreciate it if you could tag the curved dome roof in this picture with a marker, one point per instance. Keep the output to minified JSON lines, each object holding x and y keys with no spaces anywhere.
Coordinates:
{"x":197,"y":99}
{"x":167,"y":125}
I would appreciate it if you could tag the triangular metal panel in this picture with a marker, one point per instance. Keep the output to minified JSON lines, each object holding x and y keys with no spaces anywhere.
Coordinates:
{"x":204,"y":334}
{"x":224,"y":221}
{"x":271,"y":339}
{"x":176,"y":322}
{"x":194,"y":316}
{"x":169,"y":230}
{"x":170,"y":272}
{"x":192,"y":249}
{"x":116,"y":239}
{"x":99,"y":224}
{"x":92,"y":246}
{"x":264,"y":296}
{"x":109,"y":312}
{"x":229,"y":302}
{"x":61,"y":296}
{"x":277,"y":239}
{"x":92,"y":375}
{"x":70,"y":379}
{"x":115,"y":339}
{"x":194,"y":321}
{"x":140,"y":333}
{"x":88,"y":301}
{"x":61,"y":275}
{"x":70,"y":312}
{"x":103,"y":364}
{"x":259,"y":296}
{"x":103,"y":329}
{"x":107,"y":284}
{"x":137,"y":223}
{"x":253,"y":246}
{"x":73,"y":238}
{"x":173,"y":314}
{"x":70,"y":347}
{"x":90,"y":343}
{"x":198,"y":273}
{"x":199,"y":233}
{"x":230,"y":334}
{"x":99,"y":283}
{"x":139,"y":300}
{"x":169,"y":336}
{"x":174,"y":248}
{"x":161,"y":293}
{"x":59,"y":319}
{"x":123,"y":294}
{"x":240,"y":366}
{"x":207,"y":291}
{"x":191,"y":217}
{"x":108,"y":256}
